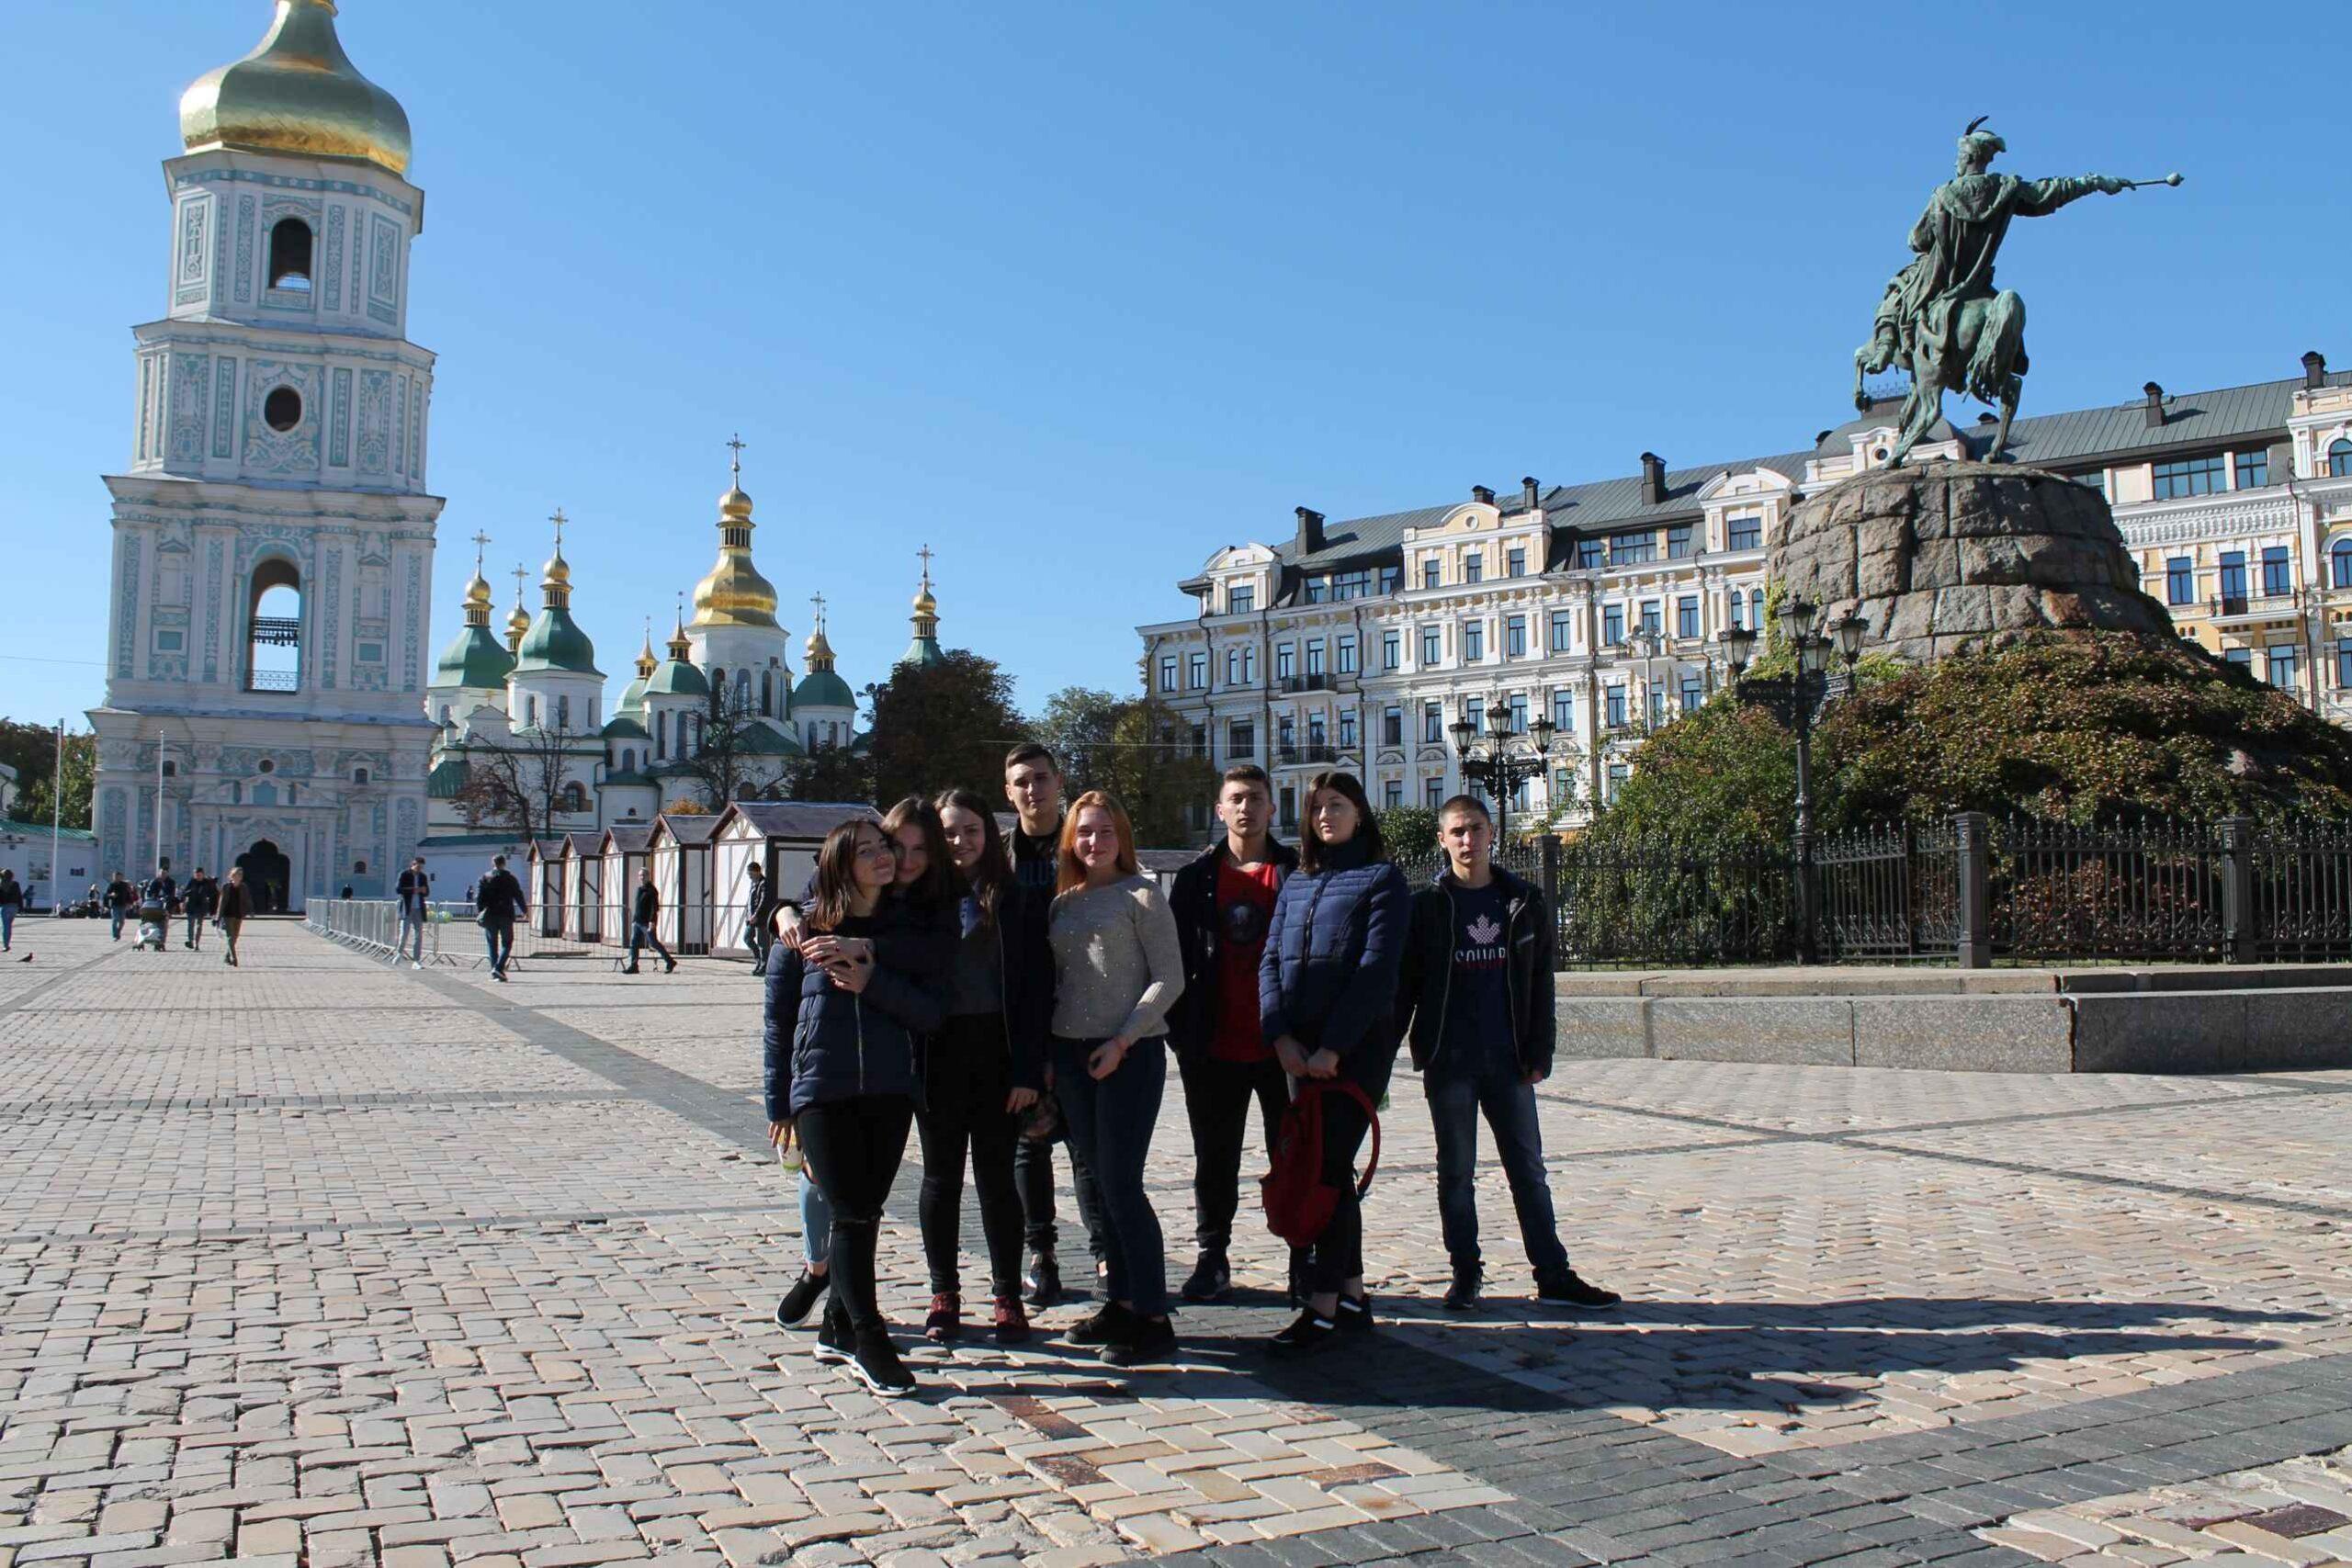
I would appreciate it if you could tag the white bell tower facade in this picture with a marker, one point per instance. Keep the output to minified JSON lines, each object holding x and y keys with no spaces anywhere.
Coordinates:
{"x":268,"y":650}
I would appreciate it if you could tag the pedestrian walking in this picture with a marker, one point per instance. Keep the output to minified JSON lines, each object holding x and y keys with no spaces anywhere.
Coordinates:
{"x":119,"y":897}
{"x":200,"y":899}
{"x":645,"y":923}
{"x":12,"y":899}
{"x":158,"y":897}
{"x":1476,"y":989}
{"x":1118,"y":968}
{"x":498,"y":904}
{"x":236,"y":903}
{"x":842,"y":1024}
{"x":1223,"y":903}
{"x":1327,"y":996}
{"x":1033,"y":782}
{"x":982,"y":1072}
{"x":415,"y":890}
{"x":758,"y":908}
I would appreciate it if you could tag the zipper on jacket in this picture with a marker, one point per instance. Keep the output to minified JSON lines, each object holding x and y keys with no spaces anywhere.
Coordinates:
{"x":857,"y":1010}
{"x":1445,"y":997}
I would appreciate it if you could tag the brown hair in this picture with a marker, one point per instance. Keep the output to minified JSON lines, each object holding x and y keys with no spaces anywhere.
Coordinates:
{"x":1031,"y":751}
{"x":1248,"y":772}
{"x":837,"y":875}
{"x":987,"y":880}
{"x":1464,"y":803}
{"x":937,"y":886}
{"x":1072,"y":873}
{"x":1311,"y":850}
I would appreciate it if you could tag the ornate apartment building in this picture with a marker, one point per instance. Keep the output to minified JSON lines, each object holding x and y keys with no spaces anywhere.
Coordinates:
{"x":1354,"y":644}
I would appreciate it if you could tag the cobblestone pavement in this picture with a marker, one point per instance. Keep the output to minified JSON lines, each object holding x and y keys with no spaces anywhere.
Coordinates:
{"x":320,"y":1262}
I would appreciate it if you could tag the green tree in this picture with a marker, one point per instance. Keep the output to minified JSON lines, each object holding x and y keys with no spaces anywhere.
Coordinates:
{"x":835,"y":774}
{"x":32,"y":750}
{"x":1410,"y":832}
{"x":942,"y":724}
{"x":1136,"y":747}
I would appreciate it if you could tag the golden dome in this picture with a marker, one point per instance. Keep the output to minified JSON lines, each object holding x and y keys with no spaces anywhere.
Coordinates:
{"x":478,"y":591}
{"x":924,"y":603}
{"x":296,"y":93}
{"x":735,"y":507}
{"x":820,"y":646}
{"x":557,"y":573}
{"x":734,"y":593}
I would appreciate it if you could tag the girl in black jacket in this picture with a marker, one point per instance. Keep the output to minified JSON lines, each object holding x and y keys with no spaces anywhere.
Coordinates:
{"x":842,"y":1024}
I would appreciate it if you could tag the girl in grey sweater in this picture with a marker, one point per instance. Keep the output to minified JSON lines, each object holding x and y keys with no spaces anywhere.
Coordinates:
{"x":1118,"y":968}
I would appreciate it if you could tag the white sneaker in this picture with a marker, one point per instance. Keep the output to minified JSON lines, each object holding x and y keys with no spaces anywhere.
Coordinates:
{"x":416,"y":966}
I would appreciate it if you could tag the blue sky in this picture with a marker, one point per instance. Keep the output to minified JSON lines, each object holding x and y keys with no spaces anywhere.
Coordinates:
{"x":1078,"y":293}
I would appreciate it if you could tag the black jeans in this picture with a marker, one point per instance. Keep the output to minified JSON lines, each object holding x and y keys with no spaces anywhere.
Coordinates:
{"x":965,"y":1081}
{"x":1033,"y":1175}
{"x":1111,"y":1121}
{"x":500,"y":936}
{"x":1216,"y":1100}
{"x":853,"y":1148}
{"x":195,"y":937}
{"x":642,"y":934}
{"x":756,"y":938}
{"x":1338,"y":1254}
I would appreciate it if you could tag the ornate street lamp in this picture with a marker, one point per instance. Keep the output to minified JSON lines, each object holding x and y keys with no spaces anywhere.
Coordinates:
{"x":1498,"y":762}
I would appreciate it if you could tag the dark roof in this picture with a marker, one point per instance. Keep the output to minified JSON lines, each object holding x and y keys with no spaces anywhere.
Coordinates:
{"x":626,"y":839}
{"x":584,"y":843}
{"x":691,"y":826}
{"x":448,"y":778}
{"x":799,"y":819}
{"x":40,"y":830}
{"x":2191,"y":418}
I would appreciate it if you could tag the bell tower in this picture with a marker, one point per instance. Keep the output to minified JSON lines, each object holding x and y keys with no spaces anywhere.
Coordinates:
{"x":267,"y":657}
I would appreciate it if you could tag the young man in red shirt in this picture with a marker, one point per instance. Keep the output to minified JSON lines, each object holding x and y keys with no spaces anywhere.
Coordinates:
{"x":1222,"y":902}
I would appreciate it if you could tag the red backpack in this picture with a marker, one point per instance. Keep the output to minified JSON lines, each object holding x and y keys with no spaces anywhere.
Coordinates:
{"x":1298,"y":1202}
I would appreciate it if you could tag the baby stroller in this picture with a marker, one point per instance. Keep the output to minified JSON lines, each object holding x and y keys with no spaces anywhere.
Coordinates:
{"x":154,"y":922}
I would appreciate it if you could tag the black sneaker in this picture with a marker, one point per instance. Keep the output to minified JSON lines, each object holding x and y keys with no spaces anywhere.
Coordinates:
{"x":1310,"y":1334}
{"x":629,"y":968}
{"x":1145,"y":1341}
{"x":1044,"y":1280}
{"x":876,"y":1361}
{"x":1103,"y":1325}
{"x":1354,"y":1313}
{"x":798,"y":1302}
{"x":1571,"y":1288}
{"x":673,"y":966}
{"x":1298,"y":1291}
{"x":835,"y":1343}
{"x":1462,"y":1294}
{"x":1212,"y":1279}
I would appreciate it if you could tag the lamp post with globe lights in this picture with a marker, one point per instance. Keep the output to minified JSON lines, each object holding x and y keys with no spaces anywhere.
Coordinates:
{"x":1496,"y":761}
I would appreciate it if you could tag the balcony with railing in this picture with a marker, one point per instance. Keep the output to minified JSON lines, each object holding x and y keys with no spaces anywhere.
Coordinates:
{"x":1293,"y":684}
{"x":2250,"y":610}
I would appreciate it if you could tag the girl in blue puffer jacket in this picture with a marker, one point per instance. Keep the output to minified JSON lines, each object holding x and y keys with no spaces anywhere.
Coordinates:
{"x":1327,"y":1002}
{"x":842,"y":1024}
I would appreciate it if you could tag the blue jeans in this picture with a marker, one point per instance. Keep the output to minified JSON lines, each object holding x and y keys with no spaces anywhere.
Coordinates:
{"x":116,"y":914}
{"x":500,"y":935}
{"x":8,"y":924}
{"x":816,"y":1222}
{"x":1111,"y":1121}
{"x":1457,"y":1099}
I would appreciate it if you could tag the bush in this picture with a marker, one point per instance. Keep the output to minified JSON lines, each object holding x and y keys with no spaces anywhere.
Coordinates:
{"x":1410,"y":832}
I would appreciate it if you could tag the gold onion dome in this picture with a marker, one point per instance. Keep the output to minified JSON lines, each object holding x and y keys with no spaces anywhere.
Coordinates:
{"x":477,"y":594}
{"x":296,"y":93}
{"x":557,"y":573}
{"x":734,"y":593}
{"x":820,"y":646}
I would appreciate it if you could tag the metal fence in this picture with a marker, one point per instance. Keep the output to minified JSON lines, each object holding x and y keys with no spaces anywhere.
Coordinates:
{"x":1968,"y":891}
{"x":452,"y":937}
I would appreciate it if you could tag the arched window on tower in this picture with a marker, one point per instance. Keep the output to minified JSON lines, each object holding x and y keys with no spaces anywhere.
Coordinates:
{"x":661,"y":734}
{"x":767,"y":693}
{"x":2339,"y":457}
{"x":274,"y":615}
{"x":290,"y":255}
{"x":2339,"y":563}
{"x":717,"y":687}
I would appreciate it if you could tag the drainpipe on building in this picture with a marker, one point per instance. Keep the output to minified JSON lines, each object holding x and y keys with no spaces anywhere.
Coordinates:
{"x":2312,"y":613}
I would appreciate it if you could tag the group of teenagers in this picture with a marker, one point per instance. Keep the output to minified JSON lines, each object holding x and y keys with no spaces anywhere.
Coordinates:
{"x":224,"y":902}
{"x":1001,"y":994}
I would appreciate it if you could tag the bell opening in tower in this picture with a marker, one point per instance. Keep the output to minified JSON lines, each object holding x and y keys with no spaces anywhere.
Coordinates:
{"x":274,"y":659}
{"x":290,"y":255}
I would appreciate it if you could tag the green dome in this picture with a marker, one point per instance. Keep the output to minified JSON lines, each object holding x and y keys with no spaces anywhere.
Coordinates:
{"x":624,"y":728}
{"x":764,"y":740}
{"x":633,"y":696}
{"x":823,"y":689}
{"x":676,"y":678}
{"x":555,"y":642}
{"x":473,"y":659}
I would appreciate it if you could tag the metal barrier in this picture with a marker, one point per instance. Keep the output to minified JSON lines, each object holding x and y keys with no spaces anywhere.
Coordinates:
{"x":452,"y":937}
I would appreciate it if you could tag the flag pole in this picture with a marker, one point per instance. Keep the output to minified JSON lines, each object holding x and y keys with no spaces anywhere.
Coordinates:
{"x":56,"y":810}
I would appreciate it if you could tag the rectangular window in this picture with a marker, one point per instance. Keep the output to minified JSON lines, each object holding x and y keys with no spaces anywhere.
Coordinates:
{"x":1200,"y":741}
{"x":1474,"y":567}
{"x":1515,"y":563}
{"x":2241,"y":657}
{"x":1612,"y":625}
{"x":1677,"y":542}
{"x":1392,"y":725}
{"x":1616,"y":708}
{"x":1474,"y":641}
{"x":1249,"y":666}
{"x":2253,"y":469}
{"x":1475,"y":710}
{"x":2276,"y":578}
{"x":1657,"y":705}
{"x":1564,"y":786}
{"x":1286,"y":660}
{"x":1432,"y":575}
{"x":1392,"y":793}
{"x":1515,"y":638}
{"x":1685,"y":615}
{"x":1434,"y":792}
{"x":1590,"y":554}
{"x":1289,"y":806}
{"x":1744,"y":532}
{"x":2285,"y":658}
{"x":1318,"y":733}
{"x":1286,"y":739}
{"x":1348,"y":729}
{"x":1563,"y":712}
{"x":1240,"y":598}
{"x":1314,"y":656}
{"x":1617,"y":775}
{"x":1694,"y":694}
{"x":1233,"y":667}
{"x":1356,"y":584}
{"x":1519,"y":713}
{"x":1392,"y":578}
{"x":1432,"y":647}
{"x":1166,"y":674}
{"x":1432,"y":723}
{"x":1563,"y":635}
{"x":1348,"y":655}
{"x":1392,"y":649}
{"x":1632,"y":547}
{"x":2180,"y":580}
{"x":563,"y":713}
{"x":1318,"y":589}
{"x":2344,"y":662}
{"x":2188,"y":476}
{"x":2233,"y":575}
{"x":1649,"y":622}
{"x":1242,"y":743}
{"x":1197,"y":673}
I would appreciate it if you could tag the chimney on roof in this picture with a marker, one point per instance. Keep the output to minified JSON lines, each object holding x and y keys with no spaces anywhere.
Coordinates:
{"x":1527,"y":493}
{"x":1652,"y":478}
{"x":2155,"y":395}
{"x":1482,"y":495}
{"x":1310,"y":532}
{"x":2314,"y":370}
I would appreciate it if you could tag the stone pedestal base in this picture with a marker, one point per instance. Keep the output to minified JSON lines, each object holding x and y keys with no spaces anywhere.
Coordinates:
{"x":1955,"y":557}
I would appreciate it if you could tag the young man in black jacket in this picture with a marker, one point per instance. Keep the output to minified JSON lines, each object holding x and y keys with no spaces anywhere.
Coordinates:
{"x":414,"y":891}
{"x":644,"y":922}
{"x":758,"y":907}
{"x":500,"y":902}
{"x":1476,"y":991}
{"x":200,"y":899}
{"x":1222,"y":903}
